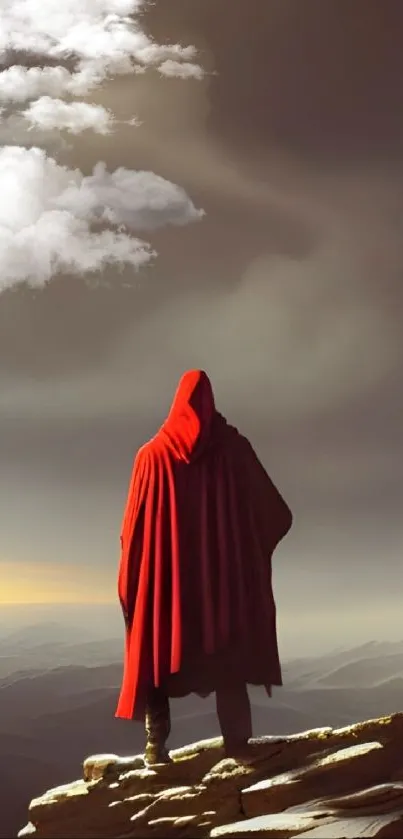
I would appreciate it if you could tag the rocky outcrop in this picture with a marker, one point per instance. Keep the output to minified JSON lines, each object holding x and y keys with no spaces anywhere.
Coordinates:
{"x":319,"y":784}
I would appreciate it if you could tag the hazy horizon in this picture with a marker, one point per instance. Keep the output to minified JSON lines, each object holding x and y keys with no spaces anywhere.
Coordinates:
{"x":310,"y":638}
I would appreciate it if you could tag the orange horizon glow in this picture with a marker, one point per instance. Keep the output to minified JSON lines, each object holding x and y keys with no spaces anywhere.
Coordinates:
{"x":33,"y":583}
{"x":56,"y":598}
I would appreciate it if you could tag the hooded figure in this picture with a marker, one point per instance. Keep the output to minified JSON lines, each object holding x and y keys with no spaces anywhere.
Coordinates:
{"x":201,"y":522}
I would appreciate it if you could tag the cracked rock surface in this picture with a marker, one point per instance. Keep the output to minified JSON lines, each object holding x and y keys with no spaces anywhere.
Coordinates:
{"x":320,"y":784}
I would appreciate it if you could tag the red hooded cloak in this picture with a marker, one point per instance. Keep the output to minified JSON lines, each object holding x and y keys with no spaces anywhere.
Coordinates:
{"x":201,"y":522}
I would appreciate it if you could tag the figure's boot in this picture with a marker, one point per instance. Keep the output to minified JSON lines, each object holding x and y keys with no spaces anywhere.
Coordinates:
{"x":235,"y":718}
{"x":158,"y":727}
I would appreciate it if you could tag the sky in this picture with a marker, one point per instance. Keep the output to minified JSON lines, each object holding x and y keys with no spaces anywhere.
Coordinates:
{"x":218,"y":185}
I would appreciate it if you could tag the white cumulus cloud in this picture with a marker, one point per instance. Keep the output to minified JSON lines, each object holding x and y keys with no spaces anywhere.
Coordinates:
{"x":50,"y":216}
{"x":100,"y":37}
{"x":176,"y":69}
{"x":48,"y":114}
{"x":53,"y":218}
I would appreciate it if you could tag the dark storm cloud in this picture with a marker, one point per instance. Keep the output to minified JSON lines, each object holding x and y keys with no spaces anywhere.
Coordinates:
{"x":319,"y":78}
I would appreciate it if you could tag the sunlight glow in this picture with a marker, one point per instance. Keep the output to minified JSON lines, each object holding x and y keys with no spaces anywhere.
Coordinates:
{"x":31,"y":582}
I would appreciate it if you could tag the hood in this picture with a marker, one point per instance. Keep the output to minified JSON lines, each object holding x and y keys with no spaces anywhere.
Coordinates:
{"x":193,"y":418}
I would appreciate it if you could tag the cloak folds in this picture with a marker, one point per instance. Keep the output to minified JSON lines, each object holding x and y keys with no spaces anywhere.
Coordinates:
{"x":201,"y":522}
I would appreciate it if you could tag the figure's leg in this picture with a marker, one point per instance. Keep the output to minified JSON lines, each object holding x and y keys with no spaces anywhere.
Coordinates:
{"x":158,"y":726}
{"x":235,"y":717}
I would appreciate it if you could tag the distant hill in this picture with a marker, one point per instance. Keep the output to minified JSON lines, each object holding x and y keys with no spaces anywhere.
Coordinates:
{"x":365,"y":672}
{"x":57,"y":702}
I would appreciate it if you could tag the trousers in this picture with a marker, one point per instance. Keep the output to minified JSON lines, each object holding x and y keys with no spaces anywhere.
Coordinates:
{"x":233,"y":711}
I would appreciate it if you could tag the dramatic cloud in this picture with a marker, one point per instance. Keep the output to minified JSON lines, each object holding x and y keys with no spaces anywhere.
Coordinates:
{"x":301,"y":344}
{"x":47,"y":212}
{"x":49,"y":114}
{"x":100,"y":37}
{"x":50,"y":216}
{"x":184,"y":70}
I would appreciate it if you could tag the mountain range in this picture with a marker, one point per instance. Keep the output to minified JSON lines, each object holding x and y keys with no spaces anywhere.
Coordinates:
{"x":58,"y":697}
